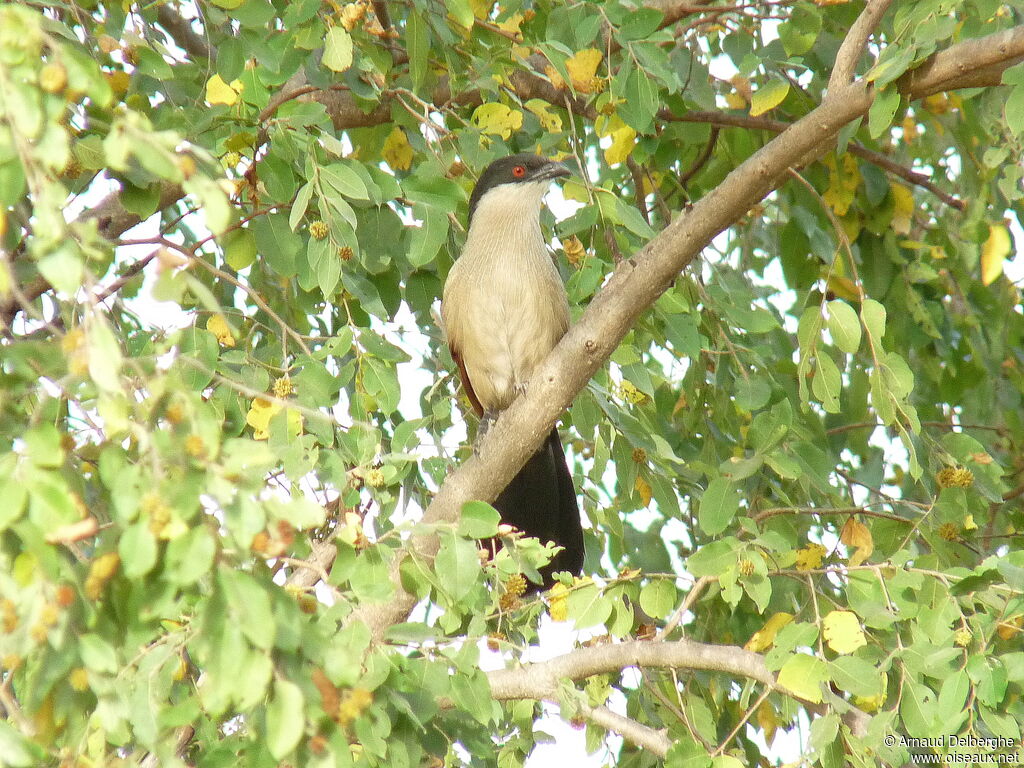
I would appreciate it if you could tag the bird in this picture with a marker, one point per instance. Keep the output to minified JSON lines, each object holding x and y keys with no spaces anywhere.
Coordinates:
{"x":503,"y":309}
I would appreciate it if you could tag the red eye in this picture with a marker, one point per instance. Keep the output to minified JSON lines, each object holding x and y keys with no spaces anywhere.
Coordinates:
{"x":519,"y":171}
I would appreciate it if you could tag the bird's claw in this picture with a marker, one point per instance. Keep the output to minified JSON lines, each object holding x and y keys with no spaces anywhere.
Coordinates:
{"x":486,"y":421}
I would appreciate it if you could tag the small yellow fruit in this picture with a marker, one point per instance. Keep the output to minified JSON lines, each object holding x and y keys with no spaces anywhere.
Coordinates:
{"x":318,"y":230}
{"x":53,"y":77}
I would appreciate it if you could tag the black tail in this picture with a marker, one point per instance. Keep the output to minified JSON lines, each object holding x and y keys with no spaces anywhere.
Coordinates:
{"x":541,"y":502}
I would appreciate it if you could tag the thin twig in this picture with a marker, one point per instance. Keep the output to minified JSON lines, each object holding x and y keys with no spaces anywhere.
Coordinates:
{"x":701,"y":160}
{"x":854,"y":43}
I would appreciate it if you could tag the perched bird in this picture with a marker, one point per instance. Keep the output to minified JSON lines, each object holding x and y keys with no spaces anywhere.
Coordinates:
{"x":504,"y":308}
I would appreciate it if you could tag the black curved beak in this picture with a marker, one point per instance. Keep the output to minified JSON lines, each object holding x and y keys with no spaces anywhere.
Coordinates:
{"x":551,"y":170}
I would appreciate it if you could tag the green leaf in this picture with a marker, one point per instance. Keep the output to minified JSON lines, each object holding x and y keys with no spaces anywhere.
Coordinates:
{"x":803,"y":675}
{"x":844,"y":325}
{"x":251,"y":605}
{"x":713,"y":559}
{"x":478,"y":520}
{"x":855,"y":675}
{"x":1014,"y":110}
{"x":588,"y":607}
{"x":344,"y":181}
{"x":462,"y":12}
{"x":381,"y":381}
{"x":63,"y":270}
{"x":104,"y":356}
{"x":918,"y":710}
{"x":418,"y":45}
{"x":641,"y":105}
{"x":752,"y":393}
{"x":882,"y":111}
{"x":138,"y":551}
{"x":658,"y":598}
{"x":894,"y":61}
{"x":768,"y":96}
{"x":427,"y":240}
{"x":277,"y":243}
{"x":800,"y":30}
{"x":337,"y":49}
{"x":239,"y":248}
{"x":190,"y":557}
{"x":718,"y":506}
{"x":17,"y":750}
{"x":97,"y":654}
{"x":953,"y":696}
{"x":458,"y":565}
{"x":827,"y":383}
{"x":285,"y":721}
{"x":300,"y":205}
{"x":873,"y":316}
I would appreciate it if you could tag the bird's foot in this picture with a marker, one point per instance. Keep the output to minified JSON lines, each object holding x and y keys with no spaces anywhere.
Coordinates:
{"x":486,"y":421}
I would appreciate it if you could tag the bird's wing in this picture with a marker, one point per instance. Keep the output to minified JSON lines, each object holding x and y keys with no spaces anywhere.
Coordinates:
{"x":466,"y":383}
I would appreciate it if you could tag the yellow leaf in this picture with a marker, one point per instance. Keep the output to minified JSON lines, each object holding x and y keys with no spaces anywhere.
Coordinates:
{"x":903,"y":210}
{"x":582,"y":68}
{"x":259,"y":416}
{"x":262,"y":411}
{"x":554,"y":77}
{"x":994,"y":253}
{"x":843,"y":287}
{"x":512,"y":23}
{"x":735,"y":101}
{"x":1008,"y":629}
{"x":842,"y":632}
{"x":352,"y":529}
{"x":497,"y":119}
{"x":219,"y":92}
{"x":767,"y":720}
{"x":549,"y":121}
{"x":397,"y":150}
{"x":842,"y":183}
{"x":481,"y":8}
{"x":623,"y":138}
{"x":218,"y":326}
{"x":810,"y":557}
{"x":764,"y":638}
{"x":558,"y":602}
{"x":644,"y":489}
{"x":856,"y":534}
{"x":768,"y":97}
{"x":870,"y":703}
{"x":910,"y":130}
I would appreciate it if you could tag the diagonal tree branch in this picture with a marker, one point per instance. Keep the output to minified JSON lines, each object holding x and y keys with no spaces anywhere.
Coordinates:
{"x":180,"y":29}
{"x":642,"y":735}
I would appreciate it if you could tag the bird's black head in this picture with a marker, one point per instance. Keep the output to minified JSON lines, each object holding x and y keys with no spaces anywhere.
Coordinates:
{"x":523,"y":168}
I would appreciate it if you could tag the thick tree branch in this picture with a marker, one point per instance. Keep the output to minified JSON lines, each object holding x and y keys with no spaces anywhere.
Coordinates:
{"x":113,"y":219}
{"x":853,"y":44}
{"x":540,"y":680}
{"x":975,"y":63}
{"x":642,"y":735}
{"x":180,"y":30}
{"x":637,"y":282}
